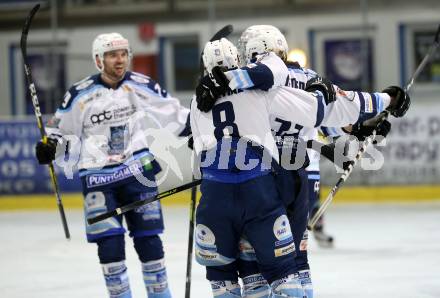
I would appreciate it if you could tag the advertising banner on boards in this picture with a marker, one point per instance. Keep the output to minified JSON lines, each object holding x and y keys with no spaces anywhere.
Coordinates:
{"x":20,"y":172}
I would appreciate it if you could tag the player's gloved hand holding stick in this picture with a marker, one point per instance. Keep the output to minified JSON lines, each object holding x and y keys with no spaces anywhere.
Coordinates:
{"x":398,"y":108}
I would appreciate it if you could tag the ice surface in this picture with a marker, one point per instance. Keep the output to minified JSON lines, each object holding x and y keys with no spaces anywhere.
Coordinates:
{"x":380,"y":251}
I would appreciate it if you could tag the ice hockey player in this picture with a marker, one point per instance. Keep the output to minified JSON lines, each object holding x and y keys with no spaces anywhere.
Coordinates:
{"x":110,"y":112}
{"x":233,"y":118}
{"x":255,"y":76}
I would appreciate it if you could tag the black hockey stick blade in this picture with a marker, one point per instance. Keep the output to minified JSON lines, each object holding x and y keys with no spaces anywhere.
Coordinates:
{"x":134,"y":205}
{"x":223,"y":32}
{"x":24,"y":33}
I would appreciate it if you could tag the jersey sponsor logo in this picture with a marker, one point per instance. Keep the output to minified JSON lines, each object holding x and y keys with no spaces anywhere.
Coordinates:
{"x":285,"y":250}
{"x":101,"y":117}
{"x":349,"y":95}
{"x":150,"y":211}
{"x":94,"y":180}
{"x":84,"y":85}
{"x":368,"y":103}
{"x":116,"y":143}
{"x":139,"y":79}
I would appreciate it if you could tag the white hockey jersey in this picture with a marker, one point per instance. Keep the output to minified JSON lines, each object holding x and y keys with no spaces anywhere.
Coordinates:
{"x":113,"y":125}
{"x":270,"y":71}
{"x":248,"y":115}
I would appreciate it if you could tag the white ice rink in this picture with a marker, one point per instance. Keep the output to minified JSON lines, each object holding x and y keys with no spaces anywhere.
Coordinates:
{"x":381,"y":251}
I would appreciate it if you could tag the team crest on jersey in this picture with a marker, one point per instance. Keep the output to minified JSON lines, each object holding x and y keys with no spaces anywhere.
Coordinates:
{"x":139,"y":79}
{"x":204,"y":235}
{"x":281,"y":228}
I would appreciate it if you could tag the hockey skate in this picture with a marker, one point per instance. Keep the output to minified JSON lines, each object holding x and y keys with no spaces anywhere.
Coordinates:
{"x":321,"y":237}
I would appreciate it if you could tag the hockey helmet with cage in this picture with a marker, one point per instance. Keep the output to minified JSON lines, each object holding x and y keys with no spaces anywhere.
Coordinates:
{"x":220,"y":53}
{"x":259,"y":39}
{"x":107,"y":42}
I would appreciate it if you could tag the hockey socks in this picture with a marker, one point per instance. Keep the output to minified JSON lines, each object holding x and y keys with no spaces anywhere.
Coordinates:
{"x":289,"y":286}
{"x":306,"y":282}
{"x":116,"y":279}
{"x":155,"y":279}
{"x":255,"y":286}
{"x":225,"y":289}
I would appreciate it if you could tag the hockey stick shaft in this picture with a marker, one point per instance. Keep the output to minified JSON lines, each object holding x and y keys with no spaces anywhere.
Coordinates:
{"x":134,"y":205}
{"x":371,"y":138}
{"x":37,"y":110}
{"x":192,"y":210}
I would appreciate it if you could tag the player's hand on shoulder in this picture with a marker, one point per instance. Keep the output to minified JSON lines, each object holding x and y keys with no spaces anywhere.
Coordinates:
{"x":323,"y":85}
{"x":45,"y":152}
{"x":209,"y":89}
{"x":400,"y":101}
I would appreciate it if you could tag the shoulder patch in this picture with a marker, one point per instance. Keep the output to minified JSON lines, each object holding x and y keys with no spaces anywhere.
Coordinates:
{"x":139,"y":79}
{"x":73,"y":92}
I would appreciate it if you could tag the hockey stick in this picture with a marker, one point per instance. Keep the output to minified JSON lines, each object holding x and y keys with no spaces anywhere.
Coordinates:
{"x":36,"y":104}
{"x":134,"y":205}
{"x":370,"y":139}
{"x":192,"y":209}
{"x":223,"y":32}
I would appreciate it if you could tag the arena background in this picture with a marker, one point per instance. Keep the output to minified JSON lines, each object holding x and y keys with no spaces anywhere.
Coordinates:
{"x":360,"y":45}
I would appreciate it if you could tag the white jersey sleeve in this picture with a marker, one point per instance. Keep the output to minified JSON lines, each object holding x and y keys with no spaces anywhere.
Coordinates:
{"x":267,"y":72}
{"x":351,"y":107}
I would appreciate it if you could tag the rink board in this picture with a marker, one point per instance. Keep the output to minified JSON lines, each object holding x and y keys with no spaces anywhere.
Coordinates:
{"x":345,"y":195}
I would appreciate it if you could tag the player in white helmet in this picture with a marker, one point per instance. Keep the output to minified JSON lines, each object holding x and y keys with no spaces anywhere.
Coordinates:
{"x":110,"y":113}
{"x":249,"y":115}
{"x":260,"y":45}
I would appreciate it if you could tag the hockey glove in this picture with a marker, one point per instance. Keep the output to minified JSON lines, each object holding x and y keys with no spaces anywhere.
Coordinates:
{"x":220,"y":80}
{"x":207,"y":94}
{"x":46,"y":152}
{"x":401,"y":101}
{"x":362,"y":131}
{"x":324,"y":86}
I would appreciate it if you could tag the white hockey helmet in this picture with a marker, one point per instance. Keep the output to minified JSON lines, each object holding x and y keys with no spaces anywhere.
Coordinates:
{"x":220,"y":53}
{"x":259,"y":39}
{"x":107,"y":42}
